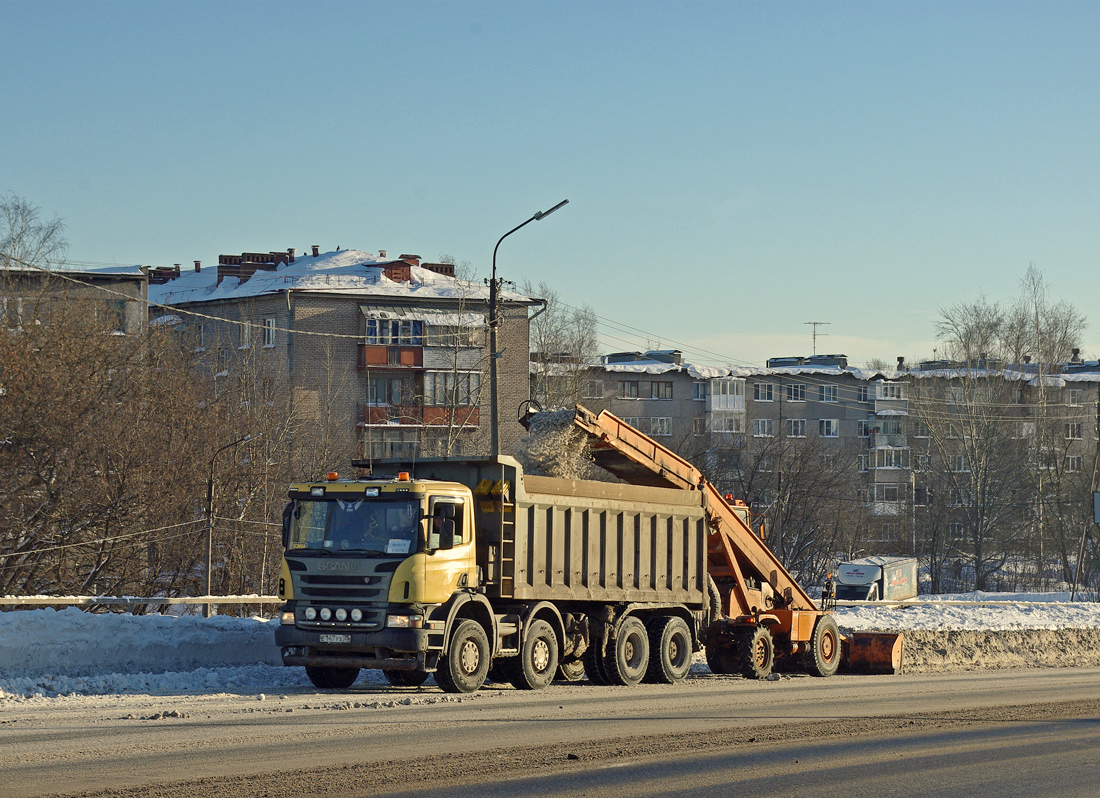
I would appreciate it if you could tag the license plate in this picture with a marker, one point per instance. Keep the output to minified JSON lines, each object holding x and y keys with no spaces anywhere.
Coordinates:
{"x":335,"y":638}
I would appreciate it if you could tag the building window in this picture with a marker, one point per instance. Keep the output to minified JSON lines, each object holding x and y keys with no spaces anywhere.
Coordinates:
{"x":1074,"y":396}
{"x":796,"y":428}
{"x":660,"y":426}
{"x":864,"y":462}
{"x":223,"y":362}
{"x":763,"y":392}
{"x":796,"y":392}
{"x":200,"y":337}
{"x":451,"y":389}
{"x":245,"y":329}
{"x":891,"y":390}
{"x":863,"y":393}
{"x":863,"y":428}
{"x":891,"y":458}
{"x":828,"y":427}
{"x":923,"y":463}
{"x":1073,"y":430}
{"x":920,"y":429}
{"x":956,"y":395}
{"x":887,"y":492}
{"x":269,"y":331}
{"x":959,"y":464}
{"x":727,"y":422}
{"x":828,"y":460}
{"x":396,"y":332}
{"x":828,"y":393}
{"x":699,"y":391}
{"x":660,"y":390}
{"x":762,"y":428}
{"x":956,"y":530}
{"x":387,"y":391}
{"x":892,"y":426}
{"x":699,"y":426}
{"x":593,"y":389}
{"x":1073,"y":463}
{"x":628,"y":389}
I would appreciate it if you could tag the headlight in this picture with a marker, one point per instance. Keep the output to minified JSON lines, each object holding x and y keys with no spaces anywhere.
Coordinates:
{"x":326,"y":613}
{"x":286,"y":617}
{"x":341,"y":614}
{"x":357,"y":615}
{"x":310,"y":613}
{"x":405,"y":621}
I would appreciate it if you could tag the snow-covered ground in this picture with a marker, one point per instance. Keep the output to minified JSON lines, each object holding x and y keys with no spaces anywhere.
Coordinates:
{"x":70,"y":652}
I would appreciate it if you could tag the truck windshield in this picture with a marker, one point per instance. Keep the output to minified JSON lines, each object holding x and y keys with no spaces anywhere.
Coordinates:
{"x":361,"y":526}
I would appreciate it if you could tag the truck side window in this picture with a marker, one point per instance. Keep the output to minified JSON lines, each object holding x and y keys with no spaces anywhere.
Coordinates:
{"x":445,"y":531}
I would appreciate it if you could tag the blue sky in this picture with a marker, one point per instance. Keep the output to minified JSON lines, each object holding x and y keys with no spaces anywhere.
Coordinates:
{"x":733,"y":169}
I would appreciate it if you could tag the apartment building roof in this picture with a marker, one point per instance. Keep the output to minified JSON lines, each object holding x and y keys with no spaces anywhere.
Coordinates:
{"x":345,"y":271}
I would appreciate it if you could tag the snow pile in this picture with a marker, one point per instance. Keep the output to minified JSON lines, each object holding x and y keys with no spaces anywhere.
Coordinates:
{"x":976,"y":611}
{"x":555,"y":447}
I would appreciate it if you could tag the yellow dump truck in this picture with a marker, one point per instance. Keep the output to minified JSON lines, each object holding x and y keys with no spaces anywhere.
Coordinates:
{"x":456,"y":567}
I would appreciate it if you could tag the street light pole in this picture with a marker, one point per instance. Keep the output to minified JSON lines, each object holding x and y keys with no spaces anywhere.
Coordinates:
{"x":494,"y":321}
{"x":210,"y":514}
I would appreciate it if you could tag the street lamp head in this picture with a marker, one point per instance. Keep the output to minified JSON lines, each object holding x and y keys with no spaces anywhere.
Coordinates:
{"x":542,"y":214}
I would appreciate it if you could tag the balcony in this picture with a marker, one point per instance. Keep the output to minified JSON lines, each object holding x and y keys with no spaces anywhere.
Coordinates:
{"x":373,"y":356}
{"x":419,"y":416}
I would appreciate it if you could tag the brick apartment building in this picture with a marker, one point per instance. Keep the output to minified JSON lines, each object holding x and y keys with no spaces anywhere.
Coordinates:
{"x":113,"y":296}
{"x":391,"y":350}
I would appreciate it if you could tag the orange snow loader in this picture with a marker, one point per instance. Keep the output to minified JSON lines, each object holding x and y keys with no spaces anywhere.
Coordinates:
{"x":768,"y":619}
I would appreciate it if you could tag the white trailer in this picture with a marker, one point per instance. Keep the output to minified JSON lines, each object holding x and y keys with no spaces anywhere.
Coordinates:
{"x":877,"y":579}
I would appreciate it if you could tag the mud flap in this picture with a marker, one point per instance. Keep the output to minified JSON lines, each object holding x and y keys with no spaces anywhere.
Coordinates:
{"x":871,"y":652}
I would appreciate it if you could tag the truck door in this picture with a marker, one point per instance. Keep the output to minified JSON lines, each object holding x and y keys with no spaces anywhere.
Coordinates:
{"x":449,"y":562}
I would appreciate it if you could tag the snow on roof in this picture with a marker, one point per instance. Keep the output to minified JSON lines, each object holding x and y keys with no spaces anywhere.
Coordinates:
{"x":348,"y":271}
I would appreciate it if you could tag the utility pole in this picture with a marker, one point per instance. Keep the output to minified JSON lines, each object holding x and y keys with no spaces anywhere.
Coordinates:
{"x":815,"y":325}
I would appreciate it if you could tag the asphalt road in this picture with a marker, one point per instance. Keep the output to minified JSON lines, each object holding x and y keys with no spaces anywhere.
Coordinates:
{"x":1009,"y":733}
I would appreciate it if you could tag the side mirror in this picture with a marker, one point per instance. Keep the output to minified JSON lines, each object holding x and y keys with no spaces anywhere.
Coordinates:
{"x":445,"y":510}
{"x":447,"y":534}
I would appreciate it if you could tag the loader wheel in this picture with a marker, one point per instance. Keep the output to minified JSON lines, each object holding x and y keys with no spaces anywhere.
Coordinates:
{"x":464,"y":667}
{"x":627,"y":654}
{"x":823,"y":658}
{"x":593,"y":661}
{"x":570,"y":671}
{"x":404,"y":678}
{"x":328,"y":678}
{"x":669,"y":650}
{"x":755,"y":652}
{"x":722,"y":659}
{"x":537,"y":662}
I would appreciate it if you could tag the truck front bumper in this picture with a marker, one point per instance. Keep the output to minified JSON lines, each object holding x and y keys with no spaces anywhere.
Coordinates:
{"x":393,"y":649}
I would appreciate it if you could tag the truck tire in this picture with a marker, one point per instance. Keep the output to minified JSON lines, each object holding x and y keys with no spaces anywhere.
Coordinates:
{"x":669,"y":650}
{"x":722,"y":660}
{"x":627,"y":656}
{"x":328,"y":678}
{"x":823,"y":656}
{"x":537,"y":662}
{"x":405,"y":678}
{"x":755,"y":652}
{"x":593,"y":661}
{"x":714,"y":601}
{"x":571,"y":670}
{"x":464,"y":667}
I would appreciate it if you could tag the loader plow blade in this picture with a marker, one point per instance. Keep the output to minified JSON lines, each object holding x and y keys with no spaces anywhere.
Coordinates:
{"x":871,"y":652}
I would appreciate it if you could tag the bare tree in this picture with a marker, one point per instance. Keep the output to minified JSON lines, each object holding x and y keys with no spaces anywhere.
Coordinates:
{"x":26,"y":239}
{"x":564,"y":343}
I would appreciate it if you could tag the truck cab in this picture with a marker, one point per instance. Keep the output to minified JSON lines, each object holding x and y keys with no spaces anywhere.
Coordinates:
{"x":366,"y":563}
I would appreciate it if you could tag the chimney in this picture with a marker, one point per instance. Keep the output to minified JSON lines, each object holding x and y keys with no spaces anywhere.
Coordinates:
{"x":381,"y":253}
{"x":198,"y":266}
{"x":901,"y":363}
{"x":1076,"y":356}
{"x":1027,"y":358}
{"x":290,"y":253}
{"x":316,"y":250}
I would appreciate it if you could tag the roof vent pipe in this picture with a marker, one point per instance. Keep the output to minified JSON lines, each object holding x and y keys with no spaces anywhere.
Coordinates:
{"x":316,"y":250}
{"x":290,"y":253}
{"x":198,"y":266}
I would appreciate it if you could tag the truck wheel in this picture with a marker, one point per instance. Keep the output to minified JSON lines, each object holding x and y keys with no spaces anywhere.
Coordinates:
{"x":628,"y":654}
{"x":669,"y":650}
{"x":405,"y":678}
{"x":328,"y":678}
{"x":570,"y":671}
{"x":755,"y":652}
{"x":593,"y":662}
{"x":464,"y":667}
{"x":537,"y":662}
{"x":823,"y":658}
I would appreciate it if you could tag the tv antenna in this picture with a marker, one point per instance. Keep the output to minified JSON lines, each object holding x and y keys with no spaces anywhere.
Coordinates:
{"x":817,"y":324}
